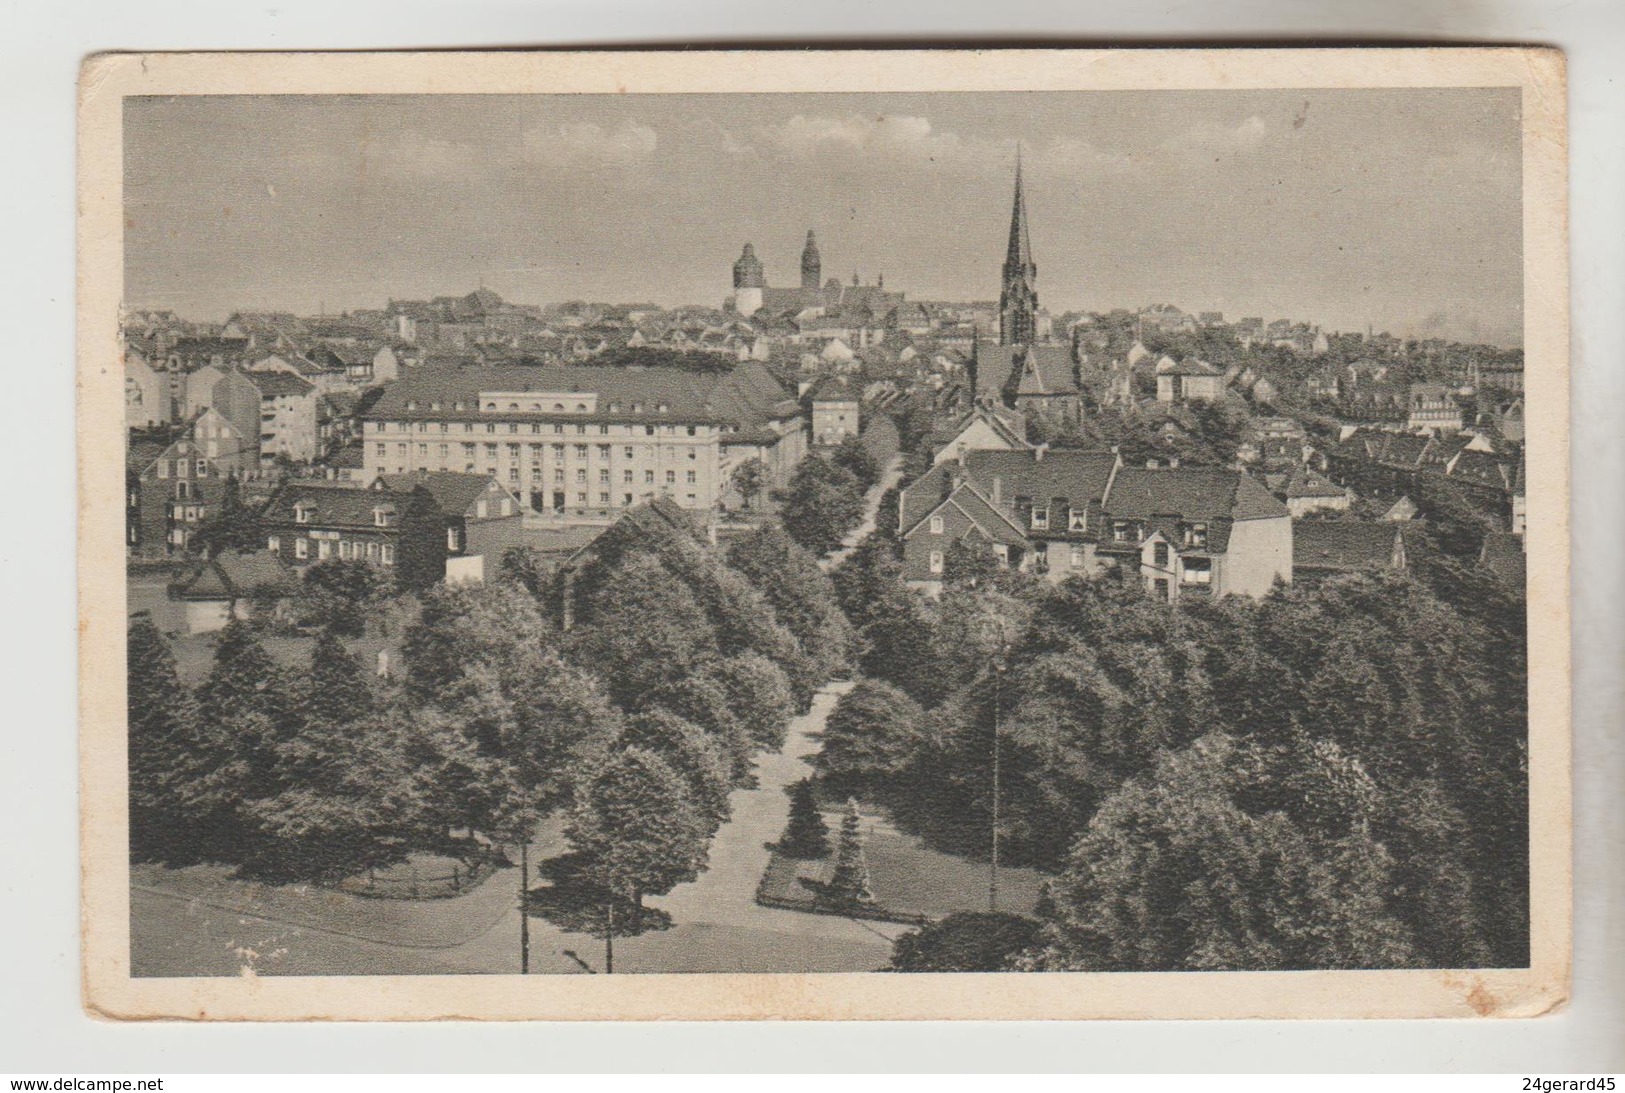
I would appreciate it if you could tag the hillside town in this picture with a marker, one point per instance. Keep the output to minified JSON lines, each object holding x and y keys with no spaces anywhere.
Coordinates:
{"x":826,"y":544}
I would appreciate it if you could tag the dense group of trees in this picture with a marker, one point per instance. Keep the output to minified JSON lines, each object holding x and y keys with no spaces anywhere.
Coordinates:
{"x":824,"y":500}
{"x":1328,"y":777}
{"x":634,"y":725}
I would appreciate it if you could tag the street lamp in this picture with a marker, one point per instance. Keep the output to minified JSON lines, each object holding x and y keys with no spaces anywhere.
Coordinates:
{"x":995,"y":627}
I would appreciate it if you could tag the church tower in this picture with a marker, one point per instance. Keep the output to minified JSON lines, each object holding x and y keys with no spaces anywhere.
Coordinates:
{"x":748,"y":282}
{"x":812,"y":266}
{"x":1018,"y":298}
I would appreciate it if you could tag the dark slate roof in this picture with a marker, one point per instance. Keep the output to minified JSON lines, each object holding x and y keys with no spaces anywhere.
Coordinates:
{"x":687,"y":394}
{"x":1403,"y":450}
{"x":1308,"y":483}
{"x":924,"y":494}
{"x":1503,"y":555}
{"x":1079,"y":476}
{"x":279,"y":384}
{"x":1194,"y":493}
{"x":1343,"y":545}
{"x":1482,"y":468}
{"x":230,"y":576}
{"x":334,"y":505}
{"x":453,"y":491}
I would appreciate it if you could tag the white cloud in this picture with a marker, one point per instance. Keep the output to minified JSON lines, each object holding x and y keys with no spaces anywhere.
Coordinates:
{"x":588,"y":145}
{"x":900,"y":136}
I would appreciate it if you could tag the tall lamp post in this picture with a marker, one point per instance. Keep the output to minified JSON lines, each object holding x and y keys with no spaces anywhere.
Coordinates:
{"x":996,"y":629}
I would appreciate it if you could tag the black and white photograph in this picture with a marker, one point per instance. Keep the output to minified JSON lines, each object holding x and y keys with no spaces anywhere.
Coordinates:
{"x":774,"y":532}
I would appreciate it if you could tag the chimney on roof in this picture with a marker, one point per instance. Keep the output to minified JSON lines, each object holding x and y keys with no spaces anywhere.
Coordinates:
{"x":998,"y":489}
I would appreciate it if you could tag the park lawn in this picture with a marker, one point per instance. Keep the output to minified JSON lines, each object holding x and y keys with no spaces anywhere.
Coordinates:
{"x":907,"y":877}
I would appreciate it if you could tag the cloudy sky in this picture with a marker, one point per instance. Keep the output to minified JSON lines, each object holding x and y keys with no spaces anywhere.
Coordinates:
{"x":1395,"y":208}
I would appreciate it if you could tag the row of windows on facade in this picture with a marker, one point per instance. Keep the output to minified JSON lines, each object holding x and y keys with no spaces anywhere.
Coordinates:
{"x":537,"y":429}
{"x":1123,"y":531}
{"x":538,"y":408}
{"x":513,"y":451}
{"x":560,"y":475}
{"x":343,"y":549}
{"x":1194,"y":571}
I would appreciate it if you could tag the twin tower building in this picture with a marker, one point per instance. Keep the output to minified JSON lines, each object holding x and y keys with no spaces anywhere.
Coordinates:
{"x":1018,"y":293}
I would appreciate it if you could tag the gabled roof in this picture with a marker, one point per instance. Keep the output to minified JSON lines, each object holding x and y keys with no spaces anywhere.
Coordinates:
{"x":1192,"y":493}
{"x":231,"y":576}
{"x":1308,"y":483}
{"x":337,"y":505}
{"x":279,"y":384}
{"x":453,"y":491}
{"x":1346,"y":545}
{"x":1079,"y":476}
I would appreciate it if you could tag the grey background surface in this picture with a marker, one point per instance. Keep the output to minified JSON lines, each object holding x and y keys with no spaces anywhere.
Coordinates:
{"x":43,"y":1030}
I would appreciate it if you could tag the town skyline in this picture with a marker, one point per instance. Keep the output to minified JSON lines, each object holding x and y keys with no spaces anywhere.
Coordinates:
{"x":344,"y":214}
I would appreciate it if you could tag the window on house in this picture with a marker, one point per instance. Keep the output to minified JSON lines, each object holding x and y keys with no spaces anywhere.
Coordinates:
{"x":1159,"y":554}
{"x":490,"y":427}
{"x":301,"y":514}
{"x":274,"y":544}
{"x":671,"y":478}
{"x":386,"y":553}
{"x":1077,"y":520}
{"x":581,"y":497}
{"x":626,"y":499}
{"x":1196,"y":571}
{"x":629,"y":453}
{"x":648,"y":478}
{"x":1078,"y":558}
{"x":301,"y":548}
{"x":423,"y":449}
{"x":936,"y":561}
{"x":558,"y":474}
{"x":1196,"y":535}
{"x":936,"y":525}
{"x":372,"y":551}
{"x":1125,"y":531}
{"x":581,"y":451}
{"x":451,"y":538}
{"x":1040,"y":518}
{"x":690,"y":478}
{"x":383,"y":517}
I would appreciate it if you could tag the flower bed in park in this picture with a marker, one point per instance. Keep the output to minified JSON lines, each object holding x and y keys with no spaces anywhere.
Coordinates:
{"x":911,"y":882}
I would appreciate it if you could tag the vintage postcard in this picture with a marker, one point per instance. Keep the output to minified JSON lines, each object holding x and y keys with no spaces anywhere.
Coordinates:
{"x":1025,"y":534}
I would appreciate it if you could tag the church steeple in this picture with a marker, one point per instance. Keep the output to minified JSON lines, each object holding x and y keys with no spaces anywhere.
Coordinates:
{"x":1018,"y":294}
{"x":812,"y":266}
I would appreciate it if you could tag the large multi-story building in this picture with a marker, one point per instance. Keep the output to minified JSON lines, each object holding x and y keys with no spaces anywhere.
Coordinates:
{"x":577,"y":442}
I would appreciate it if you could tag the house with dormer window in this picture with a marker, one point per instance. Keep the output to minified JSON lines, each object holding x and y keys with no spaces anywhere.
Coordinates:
{"x":1199,"y":531}
{"x":397,"y":527}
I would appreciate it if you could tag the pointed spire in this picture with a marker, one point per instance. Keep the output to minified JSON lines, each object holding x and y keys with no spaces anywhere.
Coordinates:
{"x":1019,"y":254}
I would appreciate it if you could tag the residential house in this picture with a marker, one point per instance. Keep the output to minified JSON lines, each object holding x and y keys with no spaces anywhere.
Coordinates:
{"x":1310,"y":491}
{"x":833,"y":405}
{"x":223,"y":587}
{"x":147,"y":399}
{"x":1185,"y":531}
{"x":313,"y":521}
{"x":483,"y":518}
{"x":1190,"y":380}
{"x":288,"y":416}
{"x":984,"y":427}
{"x":171,"y":494}
{"x":1432,"y":408}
